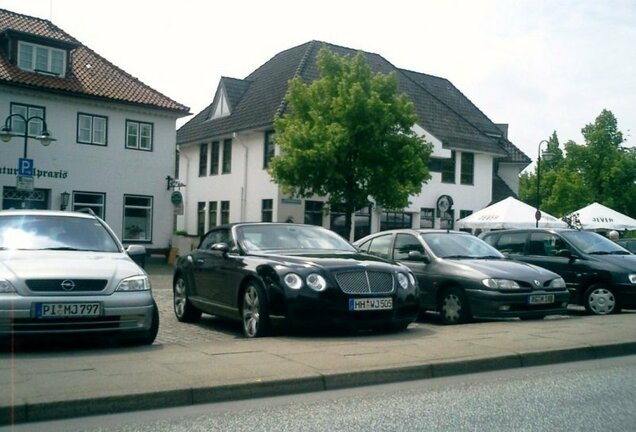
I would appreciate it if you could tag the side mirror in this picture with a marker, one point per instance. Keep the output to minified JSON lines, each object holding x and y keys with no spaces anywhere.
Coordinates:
{"x":138,"y":254}
{"x":220,"y":247}
{"x":416,"y":255}
{"x":564,"y":253}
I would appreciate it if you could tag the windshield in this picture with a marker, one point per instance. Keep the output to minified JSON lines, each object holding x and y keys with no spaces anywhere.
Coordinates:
{"x":593,"y":243}
{"x":38,"y":232}
{"x":453,"y":245}
{"x":290,"y":237}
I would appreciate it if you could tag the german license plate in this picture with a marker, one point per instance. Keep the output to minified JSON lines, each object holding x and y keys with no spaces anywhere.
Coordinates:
{"x":67,"y":310}
{"x":362,"y":304}
{"x":541,"y":299}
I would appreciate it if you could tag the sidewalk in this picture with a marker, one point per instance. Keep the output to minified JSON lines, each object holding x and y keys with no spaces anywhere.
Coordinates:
{"x":40,"y":384}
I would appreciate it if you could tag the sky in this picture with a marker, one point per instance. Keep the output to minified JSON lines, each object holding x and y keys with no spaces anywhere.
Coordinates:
{"x":538,"y":65}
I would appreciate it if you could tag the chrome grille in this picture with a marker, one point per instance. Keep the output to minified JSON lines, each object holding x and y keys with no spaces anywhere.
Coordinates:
{"x":72,"y":285}
{"x":365,"y":282}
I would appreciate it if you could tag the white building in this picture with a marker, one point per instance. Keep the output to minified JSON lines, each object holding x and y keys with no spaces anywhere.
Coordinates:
{"x":224,"y":151}
{"x":114,"y":136}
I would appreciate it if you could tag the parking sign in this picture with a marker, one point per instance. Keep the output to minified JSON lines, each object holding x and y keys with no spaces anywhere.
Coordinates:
{"x":25,"y":167}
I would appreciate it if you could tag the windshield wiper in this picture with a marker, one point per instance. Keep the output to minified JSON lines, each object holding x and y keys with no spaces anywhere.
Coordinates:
{"x":488,"y":257}
{"x":457,"y":257}
{"x":62,"y":248}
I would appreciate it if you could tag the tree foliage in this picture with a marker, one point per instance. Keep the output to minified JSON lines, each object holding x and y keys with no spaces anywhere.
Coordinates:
{"x":347,"y":136}
{"x":601,"y":170}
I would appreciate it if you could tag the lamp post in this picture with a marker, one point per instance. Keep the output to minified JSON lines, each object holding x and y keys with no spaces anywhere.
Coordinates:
{"x":547,"y":155}
{"x":44,"y":137}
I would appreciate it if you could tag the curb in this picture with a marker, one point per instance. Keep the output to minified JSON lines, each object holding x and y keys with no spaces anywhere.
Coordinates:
{"x":25,"y":413}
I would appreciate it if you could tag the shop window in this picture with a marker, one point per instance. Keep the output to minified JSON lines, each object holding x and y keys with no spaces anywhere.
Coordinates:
{"x":95,"y":201}
{"x":137,"y":218}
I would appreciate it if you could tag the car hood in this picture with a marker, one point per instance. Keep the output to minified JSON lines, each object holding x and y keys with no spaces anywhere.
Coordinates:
{"x":499,"y":269}
{"x":334,"y":261}
{"x":17,"y":265}
{"x":624,"y":262}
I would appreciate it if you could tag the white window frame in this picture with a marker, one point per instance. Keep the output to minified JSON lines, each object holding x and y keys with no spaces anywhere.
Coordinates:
{"x":97,"y":136}
{"x":140,"y":140}
{"x":98,"y":206}
{"x":27,"y":111}
{"x":29,"y":61}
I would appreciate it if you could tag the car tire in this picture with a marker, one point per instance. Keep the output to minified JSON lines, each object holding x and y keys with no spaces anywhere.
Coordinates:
{"x":255,"y":311}
{"x":453,"y":307}
{"x":600,"y":300}
{"x":183,"y":308}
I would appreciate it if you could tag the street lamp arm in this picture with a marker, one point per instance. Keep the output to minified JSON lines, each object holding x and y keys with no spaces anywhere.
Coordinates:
{"x":44,"y":137}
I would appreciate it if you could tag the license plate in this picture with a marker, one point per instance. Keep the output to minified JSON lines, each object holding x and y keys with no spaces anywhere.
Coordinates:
{"x":541,"y":299}
{"x":384,"y":303}
{"x":67,"y":310}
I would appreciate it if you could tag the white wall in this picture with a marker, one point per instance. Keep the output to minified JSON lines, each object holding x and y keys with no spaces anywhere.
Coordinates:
{"x":248,"y":184}
{"x":112,"y":169}
{"x":245,"y":186}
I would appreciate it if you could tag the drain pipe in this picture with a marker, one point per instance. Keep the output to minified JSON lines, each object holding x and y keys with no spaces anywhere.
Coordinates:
{"x":187,"y":173}
{"x":244,"y":187}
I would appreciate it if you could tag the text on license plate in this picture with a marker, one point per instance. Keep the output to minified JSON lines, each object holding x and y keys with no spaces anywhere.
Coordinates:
{"x":67,"y":310}
{"x":541,"y":299}
{"x":361,"y":304}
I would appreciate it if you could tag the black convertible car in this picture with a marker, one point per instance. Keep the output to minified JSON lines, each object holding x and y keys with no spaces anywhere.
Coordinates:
{"x":254,"y":272}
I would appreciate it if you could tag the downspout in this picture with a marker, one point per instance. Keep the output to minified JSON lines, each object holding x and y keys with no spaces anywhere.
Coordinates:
{"x":244,"y":187}
{"x":187,"y":171}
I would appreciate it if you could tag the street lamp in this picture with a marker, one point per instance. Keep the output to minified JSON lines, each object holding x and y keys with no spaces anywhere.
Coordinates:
{"x":547,"y":155}
{"x":44,"y":137}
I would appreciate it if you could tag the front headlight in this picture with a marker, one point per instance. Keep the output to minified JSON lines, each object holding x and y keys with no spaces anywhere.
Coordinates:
{"x":6,"y":287}
{"x":134,"y":283}
{"x":412,"y":279}
{"x":403,"y":280}
{"x":501,"y":284}
{"x":631,"y":277}
{"x":293,"y":281}
{"x":558,"y":283}
{"x":316,"y":282}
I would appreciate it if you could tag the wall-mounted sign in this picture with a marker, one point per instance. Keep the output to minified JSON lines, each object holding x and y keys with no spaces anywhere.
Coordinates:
{"x":176,"y":198}
{"x":444,"y":204}
{"x":24,"y":183}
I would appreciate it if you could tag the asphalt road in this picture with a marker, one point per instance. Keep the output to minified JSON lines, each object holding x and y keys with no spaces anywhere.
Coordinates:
{"x":594,"y":395}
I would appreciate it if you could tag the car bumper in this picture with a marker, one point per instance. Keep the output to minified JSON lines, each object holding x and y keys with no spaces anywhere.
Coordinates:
{"x":494,"y":304}
{"x":119,"y":313}
{"x":627,"y":295}
{"x":335,"y":311}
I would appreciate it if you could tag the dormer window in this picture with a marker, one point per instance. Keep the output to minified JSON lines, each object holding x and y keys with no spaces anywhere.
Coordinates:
{"x":41,"y":59}
{"x":221,"y":109}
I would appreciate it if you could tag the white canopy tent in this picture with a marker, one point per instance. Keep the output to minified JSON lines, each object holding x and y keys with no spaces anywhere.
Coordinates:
{"x":506,"y":214}
{"x":598,"y":217}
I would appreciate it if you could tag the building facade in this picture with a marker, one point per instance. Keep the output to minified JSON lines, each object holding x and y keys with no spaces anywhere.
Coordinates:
{"x":225,"y":149}
{"x":114,"y":137}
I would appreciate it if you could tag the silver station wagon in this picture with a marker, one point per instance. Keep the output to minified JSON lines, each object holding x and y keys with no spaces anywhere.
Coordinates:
{"x":67,"y":273}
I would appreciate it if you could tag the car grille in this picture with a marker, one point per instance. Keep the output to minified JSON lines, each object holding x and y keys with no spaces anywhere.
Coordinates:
{"x":66,"y":285}
{"x":365,"y":282}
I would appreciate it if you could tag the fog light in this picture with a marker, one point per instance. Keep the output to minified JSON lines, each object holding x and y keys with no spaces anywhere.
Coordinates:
{"x":504,"y":308}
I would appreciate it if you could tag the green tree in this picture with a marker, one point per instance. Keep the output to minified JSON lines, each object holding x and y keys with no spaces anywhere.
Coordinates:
{"x":347,"y":136}
{"x":601,"y":170}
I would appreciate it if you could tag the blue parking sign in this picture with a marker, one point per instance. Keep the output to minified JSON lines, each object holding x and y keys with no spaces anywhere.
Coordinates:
{"x":25,"y":167}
